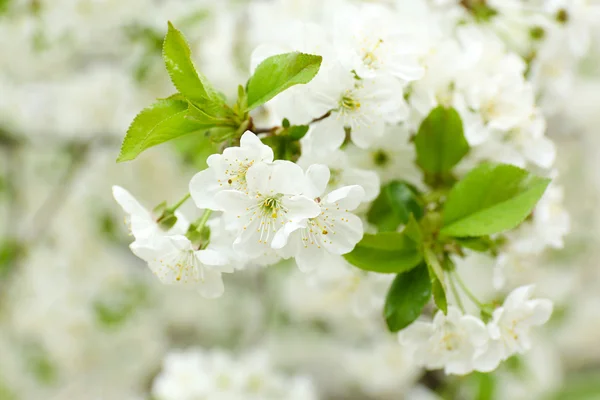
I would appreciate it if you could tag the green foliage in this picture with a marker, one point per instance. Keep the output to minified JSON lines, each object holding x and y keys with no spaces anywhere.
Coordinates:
{"x":10,"y":251}
{"x":492,"y":198}
{"x":278,"y":73}
{"x":297,"y":132}
{"x":6,"y":393}
{"x":40,"y":364}
{"x":3,"y":7}
{"x":584,"y":386}
{"x":440,"y":142}
{"x":437,"y":278}
{"x":191,"y":84}
{"x":406,"y":298}
{"x":163,"y":121}
{"x":123,"y":303}
{"x":396,"y":202}
{"x":485,"y":386}
{"x":439,"y":293}
{"x":386,"y":252}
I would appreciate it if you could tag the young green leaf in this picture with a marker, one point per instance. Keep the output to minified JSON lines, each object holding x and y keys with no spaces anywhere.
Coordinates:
{"x":406,"y":298}
{"x":207,"y":119}
{"x":435,"y":267}
{"x":188,"y":81}
{"x":492,"y":198}
{"x":297,"y":132}
{"x":396,"y":202}
{"x":161,"y":122}
{"x":387,"y":252}
{"x":439,"y":293}
{"x":440,"y":142}
{"x":278,"y":73}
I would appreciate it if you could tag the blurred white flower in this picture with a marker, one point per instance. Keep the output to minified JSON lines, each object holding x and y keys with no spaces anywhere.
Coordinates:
{"x":510,"y":328}
{"x":174,"y":260}
{"x":450,"y":341}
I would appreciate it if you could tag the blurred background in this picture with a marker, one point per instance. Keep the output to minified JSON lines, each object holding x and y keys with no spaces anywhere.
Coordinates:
{"x":82,"y":318}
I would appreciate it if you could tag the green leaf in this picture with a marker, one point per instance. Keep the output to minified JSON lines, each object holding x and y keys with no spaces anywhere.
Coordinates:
{"x":220,"y":134}
{"x":191,"y":84}
{"x":440,"y":142}
{"x":387,"y":252}
{"x":278,"y":73}
{"x":435,"y":268}
{"x":439,"y":294}
{"x":481,"y":244}
{"x":207,"y":119}
{"x":297,"y":132}
{"x":163,"y":121}
{"x":396,"y":202}
{"x":492,"y":198}
{"x":406,"y":298}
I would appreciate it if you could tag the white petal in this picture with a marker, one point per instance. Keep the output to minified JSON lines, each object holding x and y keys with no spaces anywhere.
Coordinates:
{"x":212,"y":285}
{"x":517,"y":298}
{"x":280,"y":177}
{"x":317,"y":176}
{"x":407,"y":70}
{"x":129,"y":204}
{"x":324,"y":137}
{"x":347,"y":232}
{"x":368,"y":180}
{"x":459,"y":366}
{"x":347,"y":198}
{"x":214,"y":259}
{"x":234,"y":201}
{"x":301,"y":207}
{"x":281,"y":237}
{"x":478,"y":334}
{"x":489,"y":359}
{"x":259,"y":151}
{"x":203,"y":188}
{"x":542,"y":311}
{"x":365,"y":135}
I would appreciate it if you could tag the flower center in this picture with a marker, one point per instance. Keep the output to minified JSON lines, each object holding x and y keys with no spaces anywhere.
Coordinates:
{"x":369,"y":57}
{"x":380,"y":158}
{"x":271,"y":205}
{"x":236,"y":174}
{"x":347,"y":103}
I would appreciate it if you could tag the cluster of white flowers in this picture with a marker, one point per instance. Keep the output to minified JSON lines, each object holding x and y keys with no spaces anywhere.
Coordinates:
{"x":269,"y":210}
{"x":198,"y":374}
{"x":79,"y":311}
{"x":462,"y":343}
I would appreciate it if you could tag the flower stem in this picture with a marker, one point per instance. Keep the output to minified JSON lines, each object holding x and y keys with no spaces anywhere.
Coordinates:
{"x":203,"y":220}
{"x":466,"y":290}
{"x":179,"y":203}
{"x":456,"y":293}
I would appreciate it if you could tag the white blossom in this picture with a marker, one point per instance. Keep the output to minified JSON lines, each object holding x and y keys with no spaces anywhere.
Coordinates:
{"x":363,"y":106}
{"x":273,"y":199}
{"x":334,"y":230}
{"x":228,"y":171}
{"x":141,"y":223}
{"x":174,"y":260}
{"x":510,"y":329}
{"x":450,"y":341}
